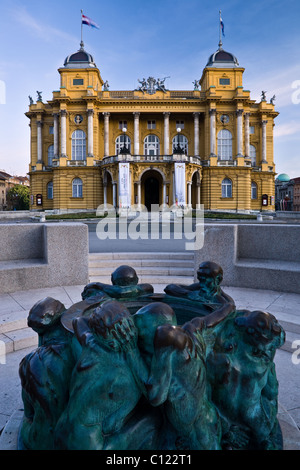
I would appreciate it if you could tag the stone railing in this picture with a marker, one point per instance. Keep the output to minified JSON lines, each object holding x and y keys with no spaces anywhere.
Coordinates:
{"x":151,"y":158}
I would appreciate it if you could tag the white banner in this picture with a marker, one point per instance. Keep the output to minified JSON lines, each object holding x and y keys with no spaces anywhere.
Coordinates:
{"x":180,"y":184}
{"x":124,"y":186}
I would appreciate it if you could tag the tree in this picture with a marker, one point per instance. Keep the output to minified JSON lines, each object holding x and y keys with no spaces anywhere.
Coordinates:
{"x":18,"y":197}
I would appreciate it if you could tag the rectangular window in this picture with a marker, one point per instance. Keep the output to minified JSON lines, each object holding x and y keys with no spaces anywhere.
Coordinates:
{"x":151,"y":125}
{"x":122,"y":125}
{"x":78,"y":81}
{"x":50,"y":191}
{"x":251,"y":130}
{"x":224,"y":81}
{"x":51,"y":129}
{"x":180,"y":124}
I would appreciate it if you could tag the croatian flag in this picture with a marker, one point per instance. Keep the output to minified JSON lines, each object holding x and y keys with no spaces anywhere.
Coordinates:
{"x":86,"y":20}
{"x":222,"y":26}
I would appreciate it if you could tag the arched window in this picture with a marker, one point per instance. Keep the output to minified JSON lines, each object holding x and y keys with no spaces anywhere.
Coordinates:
{"x":77,"y":187}
{"x":50,"y":154}
{"x":182,"y":141}
{"x":253,"y":190}
{"x":253,"y":155}
{"x":50,"y":190}
{"x":226,"y":188}
{"x":121,"y":141}
{"x":151,"y":145}
{"x":78,"y":145}
{"x":225,"y":145}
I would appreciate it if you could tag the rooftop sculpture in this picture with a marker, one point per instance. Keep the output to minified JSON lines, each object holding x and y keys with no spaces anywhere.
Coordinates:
{"x":128,"y":369}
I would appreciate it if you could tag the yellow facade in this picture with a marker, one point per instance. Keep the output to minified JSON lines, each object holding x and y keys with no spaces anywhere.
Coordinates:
{"x":80,"y":137}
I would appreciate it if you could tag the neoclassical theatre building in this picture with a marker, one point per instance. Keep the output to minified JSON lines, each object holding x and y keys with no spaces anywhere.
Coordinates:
{"x":210,"y":145}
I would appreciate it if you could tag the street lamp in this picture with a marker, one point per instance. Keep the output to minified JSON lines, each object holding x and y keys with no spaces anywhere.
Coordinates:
{"x":124,"y":149}
{"x":178,"y":149}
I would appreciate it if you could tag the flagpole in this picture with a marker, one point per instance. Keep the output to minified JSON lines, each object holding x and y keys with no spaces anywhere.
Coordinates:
{"x":81,"y":44}
{"x":220,"y":28}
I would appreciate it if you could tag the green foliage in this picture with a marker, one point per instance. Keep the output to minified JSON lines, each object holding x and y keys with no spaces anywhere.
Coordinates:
{"x":18,"y":197}
{"x":228,"y":215}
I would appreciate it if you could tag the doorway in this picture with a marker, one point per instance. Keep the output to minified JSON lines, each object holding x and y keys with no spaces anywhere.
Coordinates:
{"x":151,"y":183}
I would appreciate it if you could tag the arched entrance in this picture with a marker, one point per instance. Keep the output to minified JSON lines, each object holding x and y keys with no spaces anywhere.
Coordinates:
{"x":107,"y":188}
{"x":151,"y":189}
{"x":195,"y":190}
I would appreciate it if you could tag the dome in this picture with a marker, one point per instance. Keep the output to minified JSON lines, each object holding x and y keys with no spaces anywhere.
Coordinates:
{"x":283,"y":177}
{"x":80,"y":59}
{"x":221,"y":58}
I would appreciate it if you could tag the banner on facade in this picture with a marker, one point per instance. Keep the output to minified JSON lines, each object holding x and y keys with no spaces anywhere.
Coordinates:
{"x":124,"y":186}
{"x":180,"y":184}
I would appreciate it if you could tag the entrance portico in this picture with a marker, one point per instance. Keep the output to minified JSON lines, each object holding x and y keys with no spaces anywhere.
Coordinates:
{"x":152,"y":181}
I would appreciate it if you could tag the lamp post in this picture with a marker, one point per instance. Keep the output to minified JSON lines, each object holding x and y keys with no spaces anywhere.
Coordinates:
{"x":178,"y":149}
{"x":124,"y":149}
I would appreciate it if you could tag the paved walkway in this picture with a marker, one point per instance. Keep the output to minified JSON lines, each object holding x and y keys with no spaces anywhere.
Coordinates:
{"x":286,"y":307}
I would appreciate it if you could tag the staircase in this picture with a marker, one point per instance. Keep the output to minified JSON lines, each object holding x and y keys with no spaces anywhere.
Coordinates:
{"x":153,"y":268}
{"x":15,"y":334}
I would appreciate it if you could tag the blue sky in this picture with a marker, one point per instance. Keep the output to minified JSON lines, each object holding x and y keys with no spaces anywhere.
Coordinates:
{"x":137,"y":39}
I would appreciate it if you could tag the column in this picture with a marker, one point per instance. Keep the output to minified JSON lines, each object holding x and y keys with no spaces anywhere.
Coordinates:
{"x":63,"y":133}
{"x":105,"y":194}
{"x":90,"y":113}
{"x":164,"y":193}
{"x":189,"y":195}
{"x":264,"y":142}
{"x":196,"y":134}
{"x":247,"y":135}
{"x":114,"y":194}
{"x":212,"y":113}
{"x":136,"y":145}
{"x":198,"y":196}
{"x":239,"y":132}
{"x":106,"y":134}
{"x":174,"y":189}
{"x":166,"y":133}
{"x":139,"y":194}
{"x":55,"y":134}
{"x":39,"y":125}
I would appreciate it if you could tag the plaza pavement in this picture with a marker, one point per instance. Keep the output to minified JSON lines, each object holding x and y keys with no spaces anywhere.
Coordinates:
{"x":284,"y":306}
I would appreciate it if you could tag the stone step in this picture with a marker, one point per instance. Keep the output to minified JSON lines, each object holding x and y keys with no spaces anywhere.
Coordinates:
{"x":145,"y":271}
{"x":154,"y":268}
{"x":10,"y":321}
{"x":155,"y":279}
{"x":17,"y":339}
{"x":136,"y":263}
{"x":185,"y":255}
{"x":274,"y":274}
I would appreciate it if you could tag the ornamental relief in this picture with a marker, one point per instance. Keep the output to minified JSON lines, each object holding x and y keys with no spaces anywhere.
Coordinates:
{"x":138,"y":170}
{"x":76,"y":117}
{"x":225,"y":117}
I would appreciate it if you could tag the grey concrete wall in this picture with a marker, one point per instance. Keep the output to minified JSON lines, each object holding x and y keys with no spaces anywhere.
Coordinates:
{"x":21,"y":241}
{"x":66,"y":252}
{"x":257,"y":256}
{"x":34,"y":256}
{"x":269,"y":242}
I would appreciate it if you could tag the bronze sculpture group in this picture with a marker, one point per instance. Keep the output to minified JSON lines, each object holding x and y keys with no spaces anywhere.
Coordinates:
{"x":128,"y":369}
